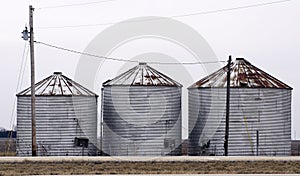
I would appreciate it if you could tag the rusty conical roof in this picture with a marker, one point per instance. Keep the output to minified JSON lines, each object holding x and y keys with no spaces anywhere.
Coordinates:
{"x":58,"y":85}
{"x":243,"y":74}
{"x":142,"y":75}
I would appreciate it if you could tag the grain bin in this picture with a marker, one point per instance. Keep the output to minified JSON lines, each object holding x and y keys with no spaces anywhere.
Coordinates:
{"x":141,"y":114}
{"x":260,"y":113}
{"x":66,"y":118}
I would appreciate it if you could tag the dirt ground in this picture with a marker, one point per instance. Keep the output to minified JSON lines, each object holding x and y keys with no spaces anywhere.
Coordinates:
{"x":7,"y":154}
{"x":149,"y":167}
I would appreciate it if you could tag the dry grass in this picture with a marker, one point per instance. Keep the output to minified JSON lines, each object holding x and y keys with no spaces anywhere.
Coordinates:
{"x":8,"y":154}
{"x":127,"y":167}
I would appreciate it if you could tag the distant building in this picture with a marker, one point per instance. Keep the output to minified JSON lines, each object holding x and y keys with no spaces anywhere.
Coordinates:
{"x":8,"y":134}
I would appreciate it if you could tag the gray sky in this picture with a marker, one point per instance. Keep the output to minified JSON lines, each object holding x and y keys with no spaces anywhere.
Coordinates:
{"x":267,"y":36}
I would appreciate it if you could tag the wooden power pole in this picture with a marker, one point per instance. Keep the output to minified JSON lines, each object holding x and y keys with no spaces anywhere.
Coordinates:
{"x":31,"y":41}
{"x":227,"y":108}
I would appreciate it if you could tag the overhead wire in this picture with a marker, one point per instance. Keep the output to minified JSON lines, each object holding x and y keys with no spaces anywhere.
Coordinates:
{"x":19,"y":83}
{"x":164,"y":18}
{"x":230,"y":9}
{"x":83,"y":53}
{"x":125,"y":60}
{"x":74,"y":4}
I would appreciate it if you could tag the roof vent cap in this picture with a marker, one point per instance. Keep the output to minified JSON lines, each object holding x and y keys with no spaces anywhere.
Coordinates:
{"x":57,"y":73}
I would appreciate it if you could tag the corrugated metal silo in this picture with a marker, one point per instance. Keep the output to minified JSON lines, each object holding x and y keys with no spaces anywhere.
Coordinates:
{"x":66,"y":118}
{"x":260,"y":113}
{"x":141,"y":114}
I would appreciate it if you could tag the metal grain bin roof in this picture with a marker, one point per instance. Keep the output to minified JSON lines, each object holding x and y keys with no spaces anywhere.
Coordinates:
{"x":243,"y":74}
{"x":142,"y":75}
{"x":58,"y":85}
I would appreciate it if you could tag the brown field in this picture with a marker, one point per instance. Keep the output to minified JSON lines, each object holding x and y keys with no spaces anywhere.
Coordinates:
{"x":149,"y":167}
{"x":7,"y":153}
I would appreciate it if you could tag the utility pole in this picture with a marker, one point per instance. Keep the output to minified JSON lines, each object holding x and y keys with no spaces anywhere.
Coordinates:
{"x":257,"y":142}
{"x":101,"y":122}
{"x":227,"y":108}
{"x":31,"y":41}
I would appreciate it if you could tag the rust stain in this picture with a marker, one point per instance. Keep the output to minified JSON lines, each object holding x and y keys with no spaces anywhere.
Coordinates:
{"x":58,"y":85}
{"x":142,"y":75}
{"x":243,"y":74}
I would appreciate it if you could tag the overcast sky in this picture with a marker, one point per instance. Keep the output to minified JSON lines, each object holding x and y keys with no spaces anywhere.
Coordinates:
{"x":268,"y":36}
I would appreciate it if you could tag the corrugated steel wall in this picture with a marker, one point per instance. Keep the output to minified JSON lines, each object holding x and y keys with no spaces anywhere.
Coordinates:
{"x":142,"y":120}
{"x":260,"y":121}
{"x":59,"y":119}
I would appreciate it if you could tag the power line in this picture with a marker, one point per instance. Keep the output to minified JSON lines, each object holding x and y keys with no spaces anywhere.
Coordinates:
{"x":72,"y":5}
{"x":164,"y":18}
{"x":125,"y":60}
{"x":231,"y":9}
{"x":19,"y":83}
{"x":79,"y":52}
